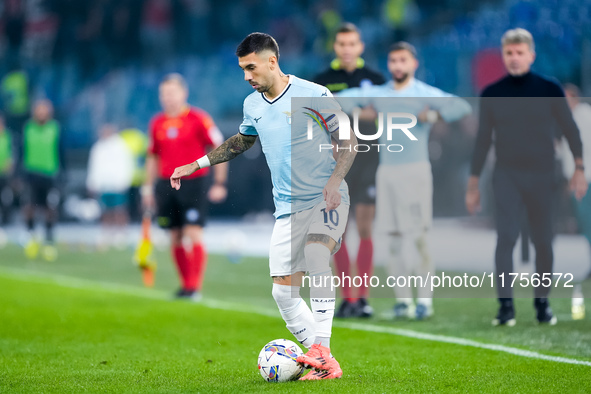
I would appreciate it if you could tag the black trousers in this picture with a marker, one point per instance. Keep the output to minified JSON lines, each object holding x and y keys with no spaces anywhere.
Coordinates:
{"x":5,"y":201}
{"x":515,"y":190}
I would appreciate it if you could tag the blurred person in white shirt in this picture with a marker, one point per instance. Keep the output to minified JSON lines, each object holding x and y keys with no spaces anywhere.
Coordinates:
{"x":582,"y":116}
{"x":110,"y":173}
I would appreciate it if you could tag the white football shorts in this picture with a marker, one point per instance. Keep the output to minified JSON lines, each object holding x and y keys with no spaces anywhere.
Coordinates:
{"x":290,"y":233}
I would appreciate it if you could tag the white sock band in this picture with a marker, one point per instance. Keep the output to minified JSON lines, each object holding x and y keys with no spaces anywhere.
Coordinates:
{"x":322,"y":298}
{"x":295,"y":312}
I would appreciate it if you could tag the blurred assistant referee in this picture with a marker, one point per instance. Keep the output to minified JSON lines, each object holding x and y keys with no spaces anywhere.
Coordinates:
{"x":178,"y":134}
{"x":348,"y":70}
{"x":526,"y":112}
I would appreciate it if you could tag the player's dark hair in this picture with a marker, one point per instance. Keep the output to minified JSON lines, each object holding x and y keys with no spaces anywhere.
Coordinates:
{"x":348,"y":27}
{"x":175,"y":77}
{"x":257,"y":43}
{"x":403,"y":46}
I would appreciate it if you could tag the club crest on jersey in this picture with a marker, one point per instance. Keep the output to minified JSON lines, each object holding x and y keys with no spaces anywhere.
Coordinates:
{"x":287,"y":116}
{"x":172,"y":133}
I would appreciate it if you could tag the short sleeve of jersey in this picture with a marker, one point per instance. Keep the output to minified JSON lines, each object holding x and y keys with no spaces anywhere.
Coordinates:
{"x":153,"y":148}
{"x":247,"y":127}
{"x":212,"y":136}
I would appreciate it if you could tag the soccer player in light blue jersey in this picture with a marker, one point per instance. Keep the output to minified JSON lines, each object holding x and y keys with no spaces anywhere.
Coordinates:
{"x":310,"y":195}
{"x":404,"y":181}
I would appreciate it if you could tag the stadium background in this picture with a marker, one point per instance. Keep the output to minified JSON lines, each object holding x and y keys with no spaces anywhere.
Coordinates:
{"x":101,"y":61}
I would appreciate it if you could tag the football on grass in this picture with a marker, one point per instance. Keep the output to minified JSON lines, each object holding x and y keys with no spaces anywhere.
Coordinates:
{"x":277,"y":361}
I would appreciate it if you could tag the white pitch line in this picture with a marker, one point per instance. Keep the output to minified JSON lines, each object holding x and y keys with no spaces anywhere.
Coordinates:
{"x":85,"y":284}
{"x":460,"y":341}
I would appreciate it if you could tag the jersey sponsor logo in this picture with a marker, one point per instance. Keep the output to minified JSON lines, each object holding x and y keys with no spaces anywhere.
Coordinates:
{"x":257,"y":119}
{"x":324,"y":94}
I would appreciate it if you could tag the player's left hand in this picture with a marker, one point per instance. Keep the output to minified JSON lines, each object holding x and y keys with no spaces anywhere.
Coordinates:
{"x":331,"y":193}
{"x":578,"y":184}
{"x":217,"y":193}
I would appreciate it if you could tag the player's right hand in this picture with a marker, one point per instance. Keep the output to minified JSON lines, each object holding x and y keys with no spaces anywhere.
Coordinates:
{"x":473,"y":201}
{"x":331,"y":193}
{"x":472,"y":195}
{"x":179,"y":172}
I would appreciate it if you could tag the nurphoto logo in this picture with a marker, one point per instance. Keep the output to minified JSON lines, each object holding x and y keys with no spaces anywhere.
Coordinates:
{"x":339,"y":121}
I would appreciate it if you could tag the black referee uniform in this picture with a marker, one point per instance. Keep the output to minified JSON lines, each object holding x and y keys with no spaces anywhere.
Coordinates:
{"x":527,"y":113}
{"x":361,"y":176}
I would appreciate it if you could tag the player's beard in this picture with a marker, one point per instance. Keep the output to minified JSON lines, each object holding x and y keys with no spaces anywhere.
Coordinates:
{"x":401,"y":79}
{"x":263,"y":88}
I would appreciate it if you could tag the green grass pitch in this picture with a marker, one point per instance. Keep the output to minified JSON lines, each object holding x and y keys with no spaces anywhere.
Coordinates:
{"x":85,"y":324}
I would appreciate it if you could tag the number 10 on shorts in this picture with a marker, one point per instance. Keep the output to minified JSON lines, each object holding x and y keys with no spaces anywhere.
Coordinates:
{"x":331,"y":215}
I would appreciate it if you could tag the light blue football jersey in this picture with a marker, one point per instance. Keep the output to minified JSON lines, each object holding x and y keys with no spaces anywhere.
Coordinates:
{"x":299,"y":170}
{"x":420,"y":95}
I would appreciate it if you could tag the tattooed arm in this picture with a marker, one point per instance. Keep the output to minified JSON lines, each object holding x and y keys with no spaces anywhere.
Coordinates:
{"x":231,"y":148}
{"x":228,"y":150}
{"x":346,"y":155}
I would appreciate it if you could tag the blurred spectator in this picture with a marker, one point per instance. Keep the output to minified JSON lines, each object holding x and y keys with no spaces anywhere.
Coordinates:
{"x":42,"y":164}
{"x":582,"y":117}
{"x":122,"y":28}
{"x":137,"y":143}
{"x":177,"y":135}
{"x":348,"y":70}
{"x":14,"y":89}
{"x":400,"y":15}
{"x":524,"y":178}
{"x":40,"y":31}
{"x":330,"y":21}
{"x":89,"y":37}
{"x":6,"y":166}
{"x":197,"y":21}
{"x":14,"y":26}
{"x":110,"y":173}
